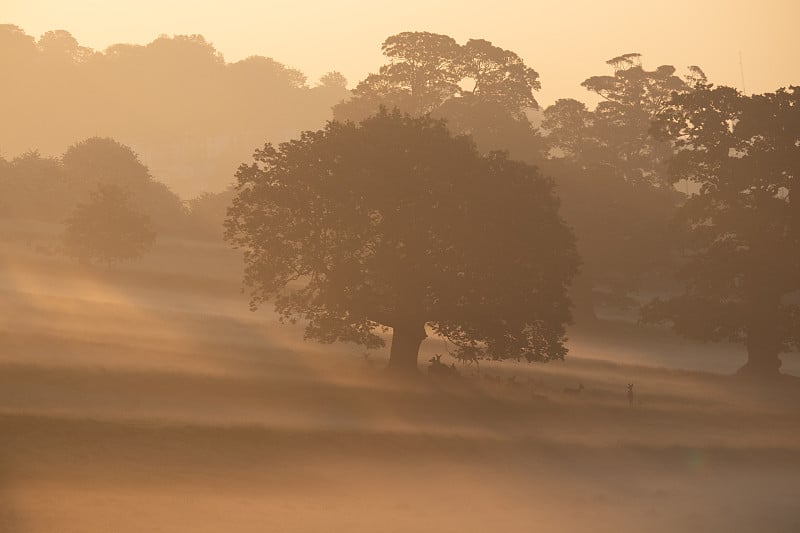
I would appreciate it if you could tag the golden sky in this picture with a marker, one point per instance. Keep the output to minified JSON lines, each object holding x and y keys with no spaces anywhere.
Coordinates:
{"x":565,"y":41}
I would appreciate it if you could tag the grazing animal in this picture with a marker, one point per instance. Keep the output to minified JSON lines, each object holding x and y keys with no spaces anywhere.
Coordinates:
{"x":572,"y":390}
{"x":630,"y":394}
{"x":467,"y":358}
{"x":437,"y":368}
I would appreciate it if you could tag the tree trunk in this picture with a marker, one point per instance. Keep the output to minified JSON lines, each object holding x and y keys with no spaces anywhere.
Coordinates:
{"x":763,"y":343}
{"x":406,"y":339}
{"x":763,"y":356}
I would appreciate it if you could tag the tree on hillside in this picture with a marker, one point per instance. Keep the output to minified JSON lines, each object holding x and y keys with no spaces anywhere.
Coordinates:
{"x":107,"y":229}
{"x":394,"y":223}
{"x":742,"y":229}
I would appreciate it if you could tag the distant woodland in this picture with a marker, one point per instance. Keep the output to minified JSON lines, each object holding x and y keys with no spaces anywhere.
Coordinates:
{"x":192,"y":116}
{"x":670,"y":184}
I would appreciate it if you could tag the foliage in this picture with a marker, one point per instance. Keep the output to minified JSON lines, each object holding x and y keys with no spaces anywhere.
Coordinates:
{"x":742,"y":228}
{"x":479,"y":88}
{"x":207,"y":213}
{"x":48,"y":189}
{"x":176,"y":91}
{"x":103,"y":160}
{"x":611,"y":174}
{"x":34,"y":187}
{"x":395,"y":223}
{"x":615,"y":137}
{"x":107,"y":229}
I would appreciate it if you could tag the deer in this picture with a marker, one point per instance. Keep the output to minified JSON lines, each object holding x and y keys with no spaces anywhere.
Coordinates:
{"x":630,"y":394}
{"x":467,"y":358}
{"x":437,"y":368}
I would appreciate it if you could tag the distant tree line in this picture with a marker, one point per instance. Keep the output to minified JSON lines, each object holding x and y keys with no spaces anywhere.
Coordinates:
{"x":724,"y":244}
{"x":176,"y":101}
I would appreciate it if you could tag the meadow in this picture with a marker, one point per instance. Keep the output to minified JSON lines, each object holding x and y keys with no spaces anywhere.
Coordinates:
{"x":147,"y":397}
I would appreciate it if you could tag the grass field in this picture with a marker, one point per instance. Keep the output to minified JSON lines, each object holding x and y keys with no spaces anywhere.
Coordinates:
{"x":148,"y":398}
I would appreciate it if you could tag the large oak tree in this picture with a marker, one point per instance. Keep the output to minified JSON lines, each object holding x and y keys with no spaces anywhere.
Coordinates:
{"x":394,"y":223}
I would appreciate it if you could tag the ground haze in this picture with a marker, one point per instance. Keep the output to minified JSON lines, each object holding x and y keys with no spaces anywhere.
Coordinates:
{"x":147,"y":398}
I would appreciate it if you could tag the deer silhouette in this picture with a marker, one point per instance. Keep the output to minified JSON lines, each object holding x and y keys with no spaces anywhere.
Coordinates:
{"x":437,"y":368}
{"x":630,"y":394}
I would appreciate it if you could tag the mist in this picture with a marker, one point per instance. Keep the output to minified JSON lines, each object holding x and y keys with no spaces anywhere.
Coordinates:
{"x":427,"y":294}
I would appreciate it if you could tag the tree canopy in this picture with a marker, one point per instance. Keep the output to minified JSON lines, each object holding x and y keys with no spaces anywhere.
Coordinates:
{"x":611,"y":174}
{"x":107,"y":229}
{"x":48,"y":189}
{"x":479,"y":88}
{"x":394,"y":223}
{"x":177,"y":91}
{"x":617,"y":133}
{"x":742,"y":228}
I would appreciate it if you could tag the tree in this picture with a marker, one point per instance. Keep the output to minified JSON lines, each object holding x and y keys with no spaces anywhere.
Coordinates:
{"x":175,"y":91}
{"x":499,"y":76}
{"x":479,"y":88}
{"x":99,"y":160}
{"x":61,"y":47}
{"x":617,"y":133}
{"x":622,"y":231}
{"x":425,"y":66}
{"x":107,"y":229}
{"x":394,"y":223}
{"x":611,"y":174}
{"x":742,"y":229}
{"x":33,"y":187}
{"x":333,"y":80}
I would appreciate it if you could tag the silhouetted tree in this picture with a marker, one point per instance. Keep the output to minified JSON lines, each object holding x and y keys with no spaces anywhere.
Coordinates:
{"x":394,"y":223}
{"x":617,"y":133}
{"x":479,"y":88}
{"x":99,"y":160}
{"x":742,"y":227}
{"x":333,"y":80}
{"x":60,"y":46}
{"x":611,"y":175}
{"x":498,"y":76}
{"x":107,"y":229}
{"x":423,"y":71}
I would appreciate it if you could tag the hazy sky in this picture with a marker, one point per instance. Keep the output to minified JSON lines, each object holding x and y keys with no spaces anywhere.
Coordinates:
{"x":565,"y":41}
